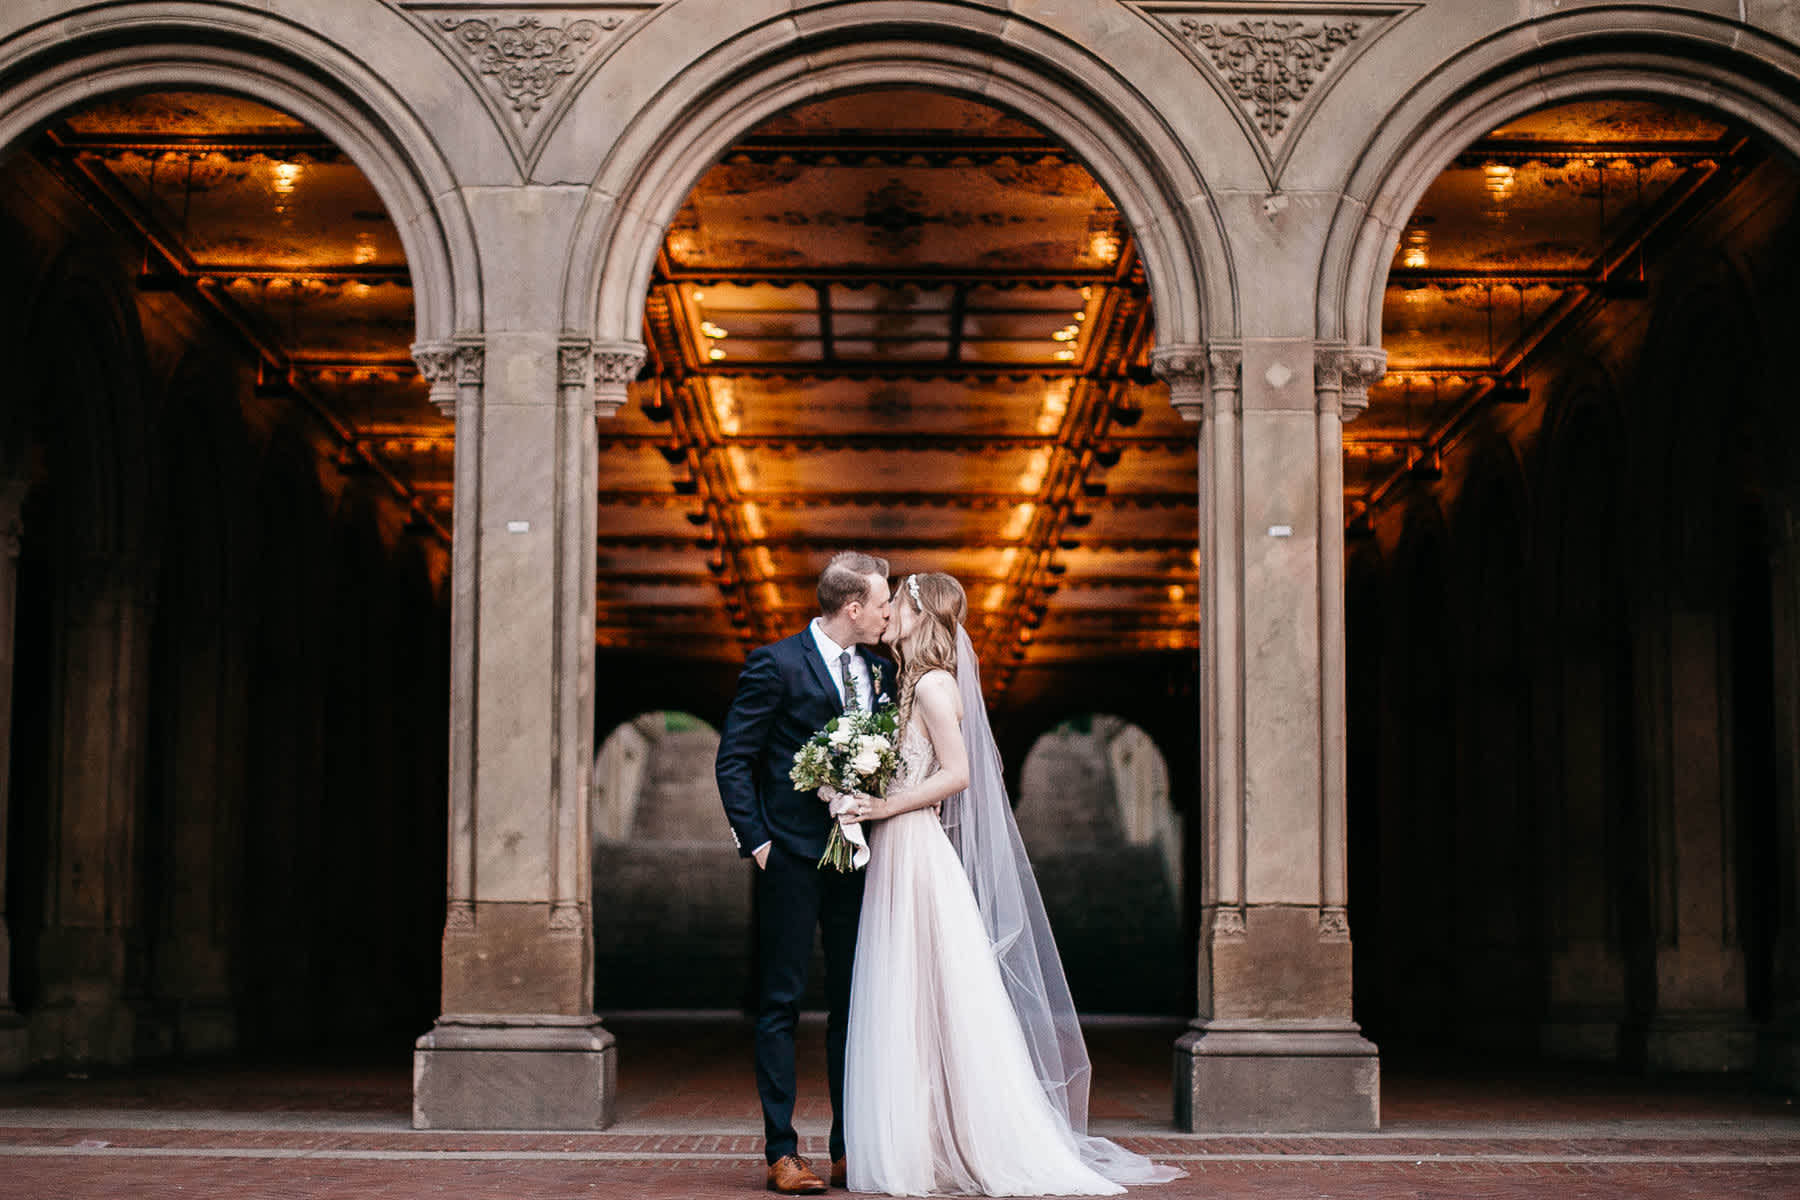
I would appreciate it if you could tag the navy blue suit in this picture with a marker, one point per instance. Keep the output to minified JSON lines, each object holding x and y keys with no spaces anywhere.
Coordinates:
{"x":785,"y":696}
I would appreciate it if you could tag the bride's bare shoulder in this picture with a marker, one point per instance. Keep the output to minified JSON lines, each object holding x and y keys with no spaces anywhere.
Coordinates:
{"x":938,"y":689}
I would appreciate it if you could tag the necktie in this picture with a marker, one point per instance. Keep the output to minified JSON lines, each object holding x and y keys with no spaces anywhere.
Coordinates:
{"x":852,"y":702}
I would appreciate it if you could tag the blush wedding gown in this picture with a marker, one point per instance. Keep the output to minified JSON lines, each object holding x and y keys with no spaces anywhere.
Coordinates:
{"x":965,"y":1071}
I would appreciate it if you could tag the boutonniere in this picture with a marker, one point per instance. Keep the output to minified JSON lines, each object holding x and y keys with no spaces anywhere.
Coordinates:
{"x":875,"y":674}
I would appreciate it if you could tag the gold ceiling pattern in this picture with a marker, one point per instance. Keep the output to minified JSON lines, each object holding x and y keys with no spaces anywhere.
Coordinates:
{"x":909,"y":323}
{"x":1528,"y":232}
{"x":901,"y":322}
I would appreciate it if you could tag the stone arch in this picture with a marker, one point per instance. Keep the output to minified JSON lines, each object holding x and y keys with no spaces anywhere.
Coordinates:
{"x":1108,"y":846}
{"x":1494,"y":815}
{"x":1584,"y":753}
{"x":1656,"y":53}
{"x":87,"y":397}
{"x":57,"y":66}
{"x":1054,"y":82}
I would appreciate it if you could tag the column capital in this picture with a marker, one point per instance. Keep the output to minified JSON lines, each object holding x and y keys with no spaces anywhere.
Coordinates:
{"x":616,"y":364}
{"x":1346,"y":374}
{"x":448,"y":367}
{"x":1193,"y":371}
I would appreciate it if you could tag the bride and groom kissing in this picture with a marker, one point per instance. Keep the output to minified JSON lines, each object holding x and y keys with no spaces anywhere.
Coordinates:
{"x":955,"y":1059}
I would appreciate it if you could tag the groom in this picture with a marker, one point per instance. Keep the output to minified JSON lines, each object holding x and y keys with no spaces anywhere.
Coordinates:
{"x":787,"y":692}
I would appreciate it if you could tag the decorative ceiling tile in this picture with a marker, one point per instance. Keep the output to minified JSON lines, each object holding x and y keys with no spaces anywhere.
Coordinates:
{"x":1274,"y":61}
{"x":527,"y":62}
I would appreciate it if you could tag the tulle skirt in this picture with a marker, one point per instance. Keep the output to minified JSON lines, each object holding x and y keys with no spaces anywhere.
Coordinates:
{"x":940,"y":1096}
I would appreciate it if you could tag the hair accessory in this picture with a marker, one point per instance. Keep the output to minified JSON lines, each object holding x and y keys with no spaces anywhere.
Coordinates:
{"x":912,"y":588}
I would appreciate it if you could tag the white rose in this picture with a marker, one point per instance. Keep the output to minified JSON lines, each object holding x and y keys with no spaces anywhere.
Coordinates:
{"x":866,"y":762}
{"x":871,"y":743}
{"x":840,"y":737}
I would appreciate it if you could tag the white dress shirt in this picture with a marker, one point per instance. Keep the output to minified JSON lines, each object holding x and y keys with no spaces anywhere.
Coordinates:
{"x":859,"y":669}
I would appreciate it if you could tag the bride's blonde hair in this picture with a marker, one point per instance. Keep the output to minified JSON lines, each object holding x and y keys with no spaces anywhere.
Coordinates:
{"x":941,"y":606}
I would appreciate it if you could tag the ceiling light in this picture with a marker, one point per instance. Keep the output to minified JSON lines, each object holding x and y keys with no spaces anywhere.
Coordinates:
{"x":699,"y":296}
{"x":1032,"y":478}
{"x":715,"y":354}
{"x":753,"y":523}
{"x":1019,"y":522}
{"x":287,"y":177}
{"x":1064,"y":356}
{"x":1066,"y":334}
{"x":1415,"y":249}
{"x":741,"y":469}
{"x":1056,"y":403}
{"x":713,"y":330}
{"x":725,"y":408}
{"x":1080,"y":314}
{"x":996,"y":596}
{"x":1177,"y":593}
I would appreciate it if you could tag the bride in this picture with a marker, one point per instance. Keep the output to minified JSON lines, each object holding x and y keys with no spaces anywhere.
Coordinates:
{"x":965,"y":1072}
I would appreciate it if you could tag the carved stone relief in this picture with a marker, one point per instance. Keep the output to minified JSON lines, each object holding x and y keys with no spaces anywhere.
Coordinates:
{"x":1275,"y":61}
{"x":527,"y":63}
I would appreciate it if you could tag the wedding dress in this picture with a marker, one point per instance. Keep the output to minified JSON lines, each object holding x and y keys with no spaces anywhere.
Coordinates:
{"x":965,"y":1072}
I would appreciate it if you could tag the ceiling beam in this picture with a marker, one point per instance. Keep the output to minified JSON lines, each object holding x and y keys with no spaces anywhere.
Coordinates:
{"x":1675,"y":209}
{"x":118,"y":208}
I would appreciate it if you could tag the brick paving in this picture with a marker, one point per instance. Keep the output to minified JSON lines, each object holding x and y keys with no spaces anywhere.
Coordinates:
{"x":320,"y":1130}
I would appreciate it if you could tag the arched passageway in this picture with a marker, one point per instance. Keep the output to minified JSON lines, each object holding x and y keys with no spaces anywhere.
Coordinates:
{"x":223,"y":803}
{"x":1109,"y":849}
{"x":1566,"y":775}
{"x":911,"y":323}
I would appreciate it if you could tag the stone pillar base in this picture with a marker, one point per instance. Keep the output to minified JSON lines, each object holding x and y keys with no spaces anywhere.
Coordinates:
{"x":15,"y":1045}
{"x":1571,"y":1038}
{"x":83,"y":1035}
{"x":515,"y":1072}
{"x":1276,"y":1077}
{"x":1690,"y":1043}
{"x":1778,"y":1056}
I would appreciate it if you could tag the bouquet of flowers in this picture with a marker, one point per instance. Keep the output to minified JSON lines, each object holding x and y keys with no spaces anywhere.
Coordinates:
{"x":853,"y":753}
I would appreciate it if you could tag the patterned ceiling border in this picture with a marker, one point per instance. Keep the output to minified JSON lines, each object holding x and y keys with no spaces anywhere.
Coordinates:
{"x":527,"y":62}
{"x":1273,"y":61}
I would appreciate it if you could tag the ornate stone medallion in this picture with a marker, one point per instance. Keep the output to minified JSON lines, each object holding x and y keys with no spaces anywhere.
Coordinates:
{"x":527,"y":62}
{"x":1274,"y":61}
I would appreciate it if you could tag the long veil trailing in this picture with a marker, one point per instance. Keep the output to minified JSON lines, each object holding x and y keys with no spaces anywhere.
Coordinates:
{"x":979,"y":822}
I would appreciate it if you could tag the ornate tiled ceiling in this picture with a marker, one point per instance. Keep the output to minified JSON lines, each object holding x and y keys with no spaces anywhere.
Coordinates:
{"x":901,"y":322}
{"x":1528,"y":231}
{"x":906,"y":323}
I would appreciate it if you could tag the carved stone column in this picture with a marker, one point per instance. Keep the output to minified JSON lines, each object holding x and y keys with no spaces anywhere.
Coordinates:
{"x":14,"y":1040}
{"x":1273,"y":1046}
{"x":1778,"y":1046}
{"x":104,"y":613}
{"x":518,"y":1044}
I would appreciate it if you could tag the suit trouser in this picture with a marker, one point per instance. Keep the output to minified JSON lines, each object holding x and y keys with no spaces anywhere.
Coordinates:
{"x":793,"y":897}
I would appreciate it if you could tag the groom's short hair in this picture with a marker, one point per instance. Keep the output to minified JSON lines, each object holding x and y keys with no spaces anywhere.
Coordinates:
{"x":846,"y":578}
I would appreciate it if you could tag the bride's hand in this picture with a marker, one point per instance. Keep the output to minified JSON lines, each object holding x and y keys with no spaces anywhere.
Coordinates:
{"x":864,"y":807}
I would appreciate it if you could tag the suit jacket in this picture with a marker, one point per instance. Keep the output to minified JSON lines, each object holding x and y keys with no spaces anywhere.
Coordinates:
{"x":783,"y":697}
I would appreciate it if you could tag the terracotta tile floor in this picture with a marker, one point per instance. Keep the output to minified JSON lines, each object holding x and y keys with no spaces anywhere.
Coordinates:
{"x":319,"y":1128}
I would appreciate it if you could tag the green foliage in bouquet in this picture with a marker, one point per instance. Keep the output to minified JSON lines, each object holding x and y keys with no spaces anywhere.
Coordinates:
{"x":855,"y":752}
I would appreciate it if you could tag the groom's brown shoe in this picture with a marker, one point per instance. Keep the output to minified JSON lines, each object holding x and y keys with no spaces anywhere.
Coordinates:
{"x":840,"y":1174}
{"x":793,"y":1176}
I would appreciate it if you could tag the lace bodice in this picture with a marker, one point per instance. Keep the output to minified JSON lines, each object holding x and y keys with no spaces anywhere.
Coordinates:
{"x":916,"y":758}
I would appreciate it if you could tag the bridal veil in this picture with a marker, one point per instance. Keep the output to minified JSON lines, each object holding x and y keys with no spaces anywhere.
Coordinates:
{"x":979,"y":822}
